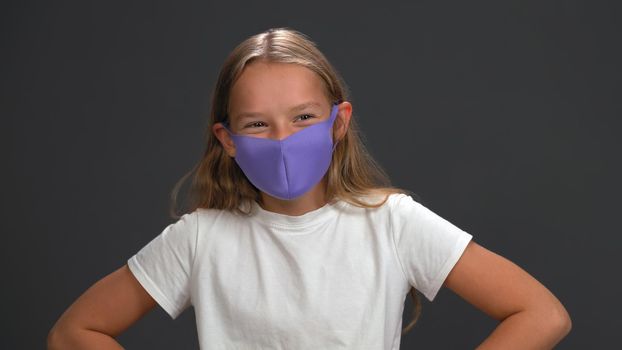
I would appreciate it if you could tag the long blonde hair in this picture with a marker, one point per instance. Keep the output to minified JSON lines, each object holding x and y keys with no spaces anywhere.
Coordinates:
{"x":218,"y":181}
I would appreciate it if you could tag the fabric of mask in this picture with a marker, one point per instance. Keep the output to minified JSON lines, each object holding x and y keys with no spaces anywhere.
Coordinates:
{"x":289,"y":167}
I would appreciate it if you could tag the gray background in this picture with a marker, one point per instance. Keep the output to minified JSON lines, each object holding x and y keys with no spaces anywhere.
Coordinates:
{"x":502,"y":115}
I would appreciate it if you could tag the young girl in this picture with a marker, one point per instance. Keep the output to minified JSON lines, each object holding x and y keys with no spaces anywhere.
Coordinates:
{"x":294,"y":238}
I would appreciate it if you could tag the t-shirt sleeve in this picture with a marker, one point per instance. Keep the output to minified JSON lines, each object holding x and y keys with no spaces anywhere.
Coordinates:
{"x":163,"y":266}
{"x":428,"y":246}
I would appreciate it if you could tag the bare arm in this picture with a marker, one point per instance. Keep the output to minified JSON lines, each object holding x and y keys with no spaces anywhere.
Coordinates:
{"x":531,"y":316}
{"x":102,"y":312}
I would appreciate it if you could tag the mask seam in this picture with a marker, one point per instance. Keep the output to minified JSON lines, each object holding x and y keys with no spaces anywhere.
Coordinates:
{"x":289,"y":194}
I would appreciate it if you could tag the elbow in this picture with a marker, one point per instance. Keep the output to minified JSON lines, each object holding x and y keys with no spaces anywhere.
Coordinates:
{"x":559,"y":322}
{"x":53,"y":339}
{"x":57,"y":338}
{"x":564,"y":323}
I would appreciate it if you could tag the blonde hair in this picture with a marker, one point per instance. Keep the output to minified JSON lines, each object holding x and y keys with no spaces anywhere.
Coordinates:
{"x":218,"y":181}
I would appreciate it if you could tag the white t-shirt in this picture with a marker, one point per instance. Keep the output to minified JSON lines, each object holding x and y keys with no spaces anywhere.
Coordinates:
{"x":333,"y":278}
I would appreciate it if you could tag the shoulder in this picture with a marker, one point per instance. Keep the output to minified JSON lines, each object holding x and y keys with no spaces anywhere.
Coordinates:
{"x":382,"y":207}
{"x":375,"y":198}
{"x":392,"y":203}
{"x":403,"y":201}
{"x":207,"y":217}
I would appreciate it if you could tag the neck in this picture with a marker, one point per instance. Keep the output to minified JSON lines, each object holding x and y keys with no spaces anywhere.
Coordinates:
{"x":313,"y":199}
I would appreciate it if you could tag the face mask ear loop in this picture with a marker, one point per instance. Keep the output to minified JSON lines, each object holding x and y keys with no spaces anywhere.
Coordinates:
{"x":336,"y":114}
{"x":335,"y":145}
{"x":225,"y":124}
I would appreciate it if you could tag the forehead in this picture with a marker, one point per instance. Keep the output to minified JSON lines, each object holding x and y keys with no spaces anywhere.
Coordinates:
{"x":272,"y":87}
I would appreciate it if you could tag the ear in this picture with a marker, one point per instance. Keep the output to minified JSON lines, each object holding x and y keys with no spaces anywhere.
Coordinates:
{"x":342,"y":120}
{"x":225,"y":139}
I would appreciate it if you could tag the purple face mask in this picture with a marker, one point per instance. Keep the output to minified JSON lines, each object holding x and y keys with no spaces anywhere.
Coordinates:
{"x":289,"y":167}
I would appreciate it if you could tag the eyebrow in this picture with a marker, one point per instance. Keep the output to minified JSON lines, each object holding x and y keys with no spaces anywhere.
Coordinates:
{"x":293,"y":109}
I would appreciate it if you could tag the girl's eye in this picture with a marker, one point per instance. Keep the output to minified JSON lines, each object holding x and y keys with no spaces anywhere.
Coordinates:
{"x":254,"y":125}
{"x":258,"y":124}
{"x":305,"y":115}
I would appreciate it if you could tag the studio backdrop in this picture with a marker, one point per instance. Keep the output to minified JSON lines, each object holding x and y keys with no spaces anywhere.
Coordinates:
{"x":503,"y":117}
